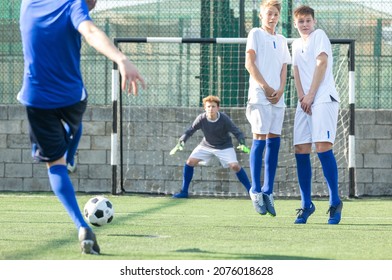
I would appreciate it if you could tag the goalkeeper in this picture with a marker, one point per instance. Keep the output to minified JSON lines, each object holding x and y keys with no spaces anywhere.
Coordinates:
{"x":217,"y":141}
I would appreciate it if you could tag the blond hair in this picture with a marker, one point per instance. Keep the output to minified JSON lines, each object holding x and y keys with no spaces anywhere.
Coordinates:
{"x":211,"y":98}
{"x":270,"y":3}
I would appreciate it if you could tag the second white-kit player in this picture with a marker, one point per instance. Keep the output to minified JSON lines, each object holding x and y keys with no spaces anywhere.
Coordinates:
{"x":316,"y":116}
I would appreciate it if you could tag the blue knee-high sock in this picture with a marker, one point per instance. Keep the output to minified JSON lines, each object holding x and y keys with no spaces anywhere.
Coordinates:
{"x":63,"y":189}
{"x":271,"y":163}
{"x":187,"y":177}
{"x":73,"y":146}
{"x":330,"y":170}
{"x":304,"y":173}
{"x":243,"y":178}
{"x":256,"y":162}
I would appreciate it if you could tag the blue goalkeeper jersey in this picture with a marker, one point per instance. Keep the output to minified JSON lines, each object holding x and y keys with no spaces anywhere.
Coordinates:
{"x":51,"y":47}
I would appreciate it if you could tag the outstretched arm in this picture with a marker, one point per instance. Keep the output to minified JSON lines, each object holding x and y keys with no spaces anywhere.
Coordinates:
{"x":187,"y":134}
{"x":96,"y":38}
{"x":239,"y":135}
{"x":179,"y":147}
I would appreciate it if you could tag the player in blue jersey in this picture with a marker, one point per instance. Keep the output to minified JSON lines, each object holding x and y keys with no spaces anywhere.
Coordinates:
{"x":316,"y":117}
{"x":53,"y":92}
{"x":267,"y":56}
{"x":217,"y":142}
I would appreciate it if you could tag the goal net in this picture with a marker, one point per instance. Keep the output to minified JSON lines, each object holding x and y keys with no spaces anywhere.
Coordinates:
{"x":180,"y":72}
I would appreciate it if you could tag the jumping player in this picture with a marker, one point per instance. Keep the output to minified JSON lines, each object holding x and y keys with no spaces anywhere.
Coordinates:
{"x":53,"y":92}
{"x":217,"y":141}
{"x":267,"y":56}
{"x":317,"y":112}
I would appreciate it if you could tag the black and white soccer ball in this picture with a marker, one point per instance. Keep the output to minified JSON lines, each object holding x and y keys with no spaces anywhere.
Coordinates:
{"x":99,"y":211}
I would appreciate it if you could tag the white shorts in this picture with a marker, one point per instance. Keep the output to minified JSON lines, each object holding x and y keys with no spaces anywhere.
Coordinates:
{"x":205,"y":154}
{"x":265,"y":119}
{"x":321,"y":126}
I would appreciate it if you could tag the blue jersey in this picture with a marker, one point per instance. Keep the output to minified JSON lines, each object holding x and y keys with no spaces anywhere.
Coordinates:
{"x":51,"y":48}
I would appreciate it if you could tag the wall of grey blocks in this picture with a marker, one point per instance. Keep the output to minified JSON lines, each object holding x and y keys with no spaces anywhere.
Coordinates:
{"x":373,"y":135}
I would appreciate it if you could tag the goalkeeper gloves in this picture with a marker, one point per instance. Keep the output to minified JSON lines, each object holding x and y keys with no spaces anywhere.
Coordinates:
{"x":178,"y":147}
{"x":243,"y":148}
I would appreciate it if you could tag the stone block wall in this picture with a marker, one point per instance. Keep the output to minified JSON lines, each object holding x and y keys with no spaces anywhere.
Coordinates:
{"x":149,"y":168}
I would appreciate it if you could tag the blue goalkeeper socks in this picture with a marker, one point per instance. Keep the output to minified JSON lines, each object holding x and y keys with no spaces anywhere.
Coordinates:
{"x":271,"y":163}
{"x":330,"y":170}
{"x":187,"y":177}
{"x":304,"y":173}
{"x":73,"y":146}
{"x":256,"y":162}
{"x":243,"y":178}
{"x":63,"y":189}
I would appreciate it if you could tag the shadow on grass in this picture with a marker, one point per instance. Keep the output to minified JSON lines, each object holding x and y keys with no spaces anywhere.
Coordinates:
{"x":139,"y":235}
{"x":216,"y":255}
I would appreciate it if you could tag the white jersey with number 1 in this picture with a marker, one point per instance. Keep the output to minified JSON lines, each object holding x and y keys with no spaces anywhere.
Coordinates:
{"x":304,"y":57}
{"x":271,"y":53}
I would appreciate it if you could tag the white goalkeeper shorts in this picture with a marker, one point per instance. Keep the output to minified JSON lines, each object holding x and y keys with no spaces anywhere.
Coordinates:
{"x":265,"y":119}
{"x":320,"y":126}
{"x":205,"y":154}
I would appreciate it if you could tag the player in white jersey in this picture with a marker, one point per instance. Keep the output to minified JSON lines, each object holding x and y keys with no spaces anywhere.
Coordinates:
{"x":267,"y":56}
{"x":317,"y":112}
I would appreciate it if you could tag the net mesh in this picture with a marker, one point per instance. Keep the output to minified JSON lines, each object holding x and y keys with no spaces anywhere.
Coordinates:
{"x":179,"y":75}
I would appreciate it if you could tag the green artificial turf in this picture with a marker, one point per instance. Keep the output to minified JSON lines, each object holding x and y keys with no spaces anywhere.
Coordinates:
{"x":36,"y":227}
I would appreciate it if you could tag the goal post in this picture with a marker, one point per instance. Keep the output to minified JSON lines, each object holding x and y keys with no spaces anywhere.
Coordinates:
{"x":181,"y":71}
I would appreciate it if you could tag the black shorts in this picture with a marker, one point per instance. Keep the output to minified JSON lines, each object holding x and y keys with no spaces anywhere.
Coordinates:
{"x":48,"y":134}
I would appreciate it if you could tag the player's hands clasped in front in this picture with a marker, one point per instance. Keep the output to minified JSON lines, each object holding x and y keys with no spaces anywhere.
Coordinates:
{"x":306,"y":103}
{"x":268,"y":91}
{"x":130,"y":77}
{"x":275,"y":96}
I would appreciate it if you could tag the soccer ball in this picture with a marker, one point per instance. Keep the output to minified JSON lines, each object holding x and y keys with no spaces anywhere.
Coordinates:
{"x":99,"y":211}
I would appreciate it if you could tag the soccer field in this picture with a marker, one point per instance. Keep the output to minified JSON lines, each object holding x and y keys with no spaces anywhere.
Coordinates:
{"x":35,"y":227}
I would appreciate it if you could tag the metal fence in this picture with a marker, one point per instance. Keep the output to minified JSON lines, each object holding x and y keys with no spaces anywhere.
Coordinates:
{"x":368,"y":22}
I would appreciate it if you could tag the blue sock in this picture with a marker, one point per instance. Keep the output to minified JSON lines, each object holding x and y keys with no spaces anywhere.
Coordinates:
{"x":304,"y":173}
{"x":63,"y":189}
{"x":187,"y":177}
{"x":271,"y":163}
{"x":256,"y":162}
{"x":73,"y":146}
{"x":243,"y":178}
{"x":330,"y":170}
